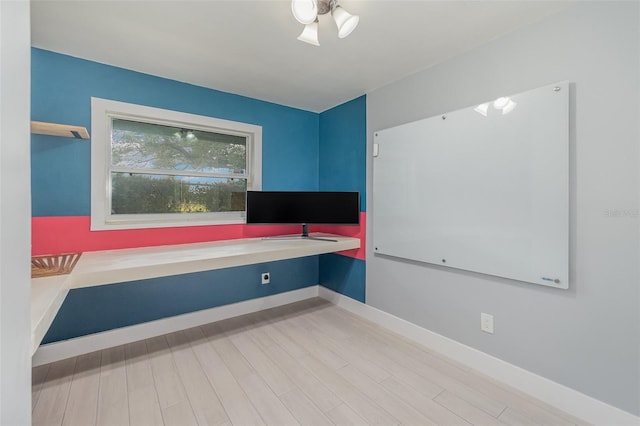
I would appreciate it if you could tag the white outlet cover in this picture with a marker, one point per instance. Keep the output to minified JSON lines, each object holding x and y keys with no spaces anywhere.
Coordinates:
{"x":486,"y":322}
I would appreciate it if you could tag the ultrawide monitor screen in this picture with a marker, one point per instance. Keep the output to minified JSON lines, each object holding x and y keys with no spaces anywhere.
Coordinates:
{"x":303,"y":207}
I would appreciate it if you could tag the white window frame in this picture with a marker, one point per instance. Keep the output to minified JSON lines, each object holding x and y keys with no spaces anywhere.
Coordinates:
{"x":102,"y":113}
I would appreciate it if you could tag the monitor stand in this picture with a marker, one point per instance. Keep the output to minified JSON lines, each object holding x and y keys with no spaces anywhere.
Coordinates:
{"x":305,"y":236}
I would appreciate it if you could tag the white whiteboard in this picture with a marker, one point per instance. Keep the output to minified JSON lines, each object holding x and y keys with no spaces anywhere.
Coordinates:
{"x":480,"y":189}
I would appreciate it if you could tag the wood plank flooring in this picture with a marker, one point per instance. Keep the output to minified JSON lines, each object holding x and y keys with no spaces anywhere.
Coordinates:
{"x":308,"y":363}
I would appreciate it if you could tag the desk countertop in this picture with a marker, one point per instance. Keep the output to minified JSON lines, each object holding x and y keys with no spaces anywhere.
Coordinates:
{"x":114,"y":266}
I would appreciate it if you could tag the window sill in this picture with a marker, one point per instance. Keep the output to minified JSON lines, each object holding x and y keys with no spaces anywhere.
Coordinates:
{"x":200,"y":219}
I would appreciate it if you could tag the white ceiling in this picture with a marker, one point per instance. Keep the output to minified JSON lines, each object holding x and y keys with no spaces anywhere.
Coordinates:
{"x":250,"y":47}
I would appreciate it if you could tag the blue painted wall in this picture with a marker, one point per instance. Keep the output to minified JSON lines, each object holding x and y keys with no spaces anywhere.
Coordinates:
{"x":343,"y":167}
{"x":61,"y":91}
{"x":301,"y":151}
{"x":344,"y":275}
{"x":95,"y":309}
{"x":343,"y":148}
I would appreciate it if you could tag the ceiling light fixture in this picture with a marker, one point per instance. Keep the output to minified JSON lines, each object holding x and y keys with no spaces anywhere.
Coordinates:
{"x":307,"y":11}
{"x":310,"y":33}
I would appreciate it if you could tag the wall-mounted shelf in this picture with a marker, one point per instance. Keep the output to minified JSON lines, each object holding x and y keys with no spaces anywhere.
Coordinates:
{"x":64,"y":130}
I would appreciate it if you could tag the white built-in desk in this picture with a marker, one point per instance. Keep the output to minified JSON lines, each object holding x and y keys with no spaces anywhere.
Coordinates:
{"x":115,"y":266}
{"x":47,"y":295}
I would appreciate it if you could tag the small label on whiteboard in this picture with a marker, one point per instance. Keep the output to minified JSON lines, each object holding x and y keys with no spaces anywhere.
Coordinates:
{"x":376,"y":149}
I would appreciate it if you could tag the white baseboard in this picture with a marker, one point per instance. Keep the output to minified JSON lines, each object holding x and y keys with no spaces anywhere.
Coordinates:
{"x":94,"y":342}
{"x":555,"y":394}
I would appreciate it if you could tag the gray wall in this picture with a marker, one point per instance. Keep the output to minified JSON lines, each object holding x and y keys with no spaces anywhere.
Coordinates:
{"x":15,"y":214}
{"x":586,"y":337}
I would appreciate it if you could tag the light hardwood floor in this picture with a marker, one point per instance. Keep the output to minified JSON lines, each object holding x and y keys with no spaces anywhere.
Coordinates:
{"x":308,"y":363}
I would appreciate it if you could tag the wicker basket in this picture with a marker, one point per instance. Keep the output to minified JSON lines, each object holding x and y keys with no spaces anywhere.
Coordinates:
{"x":58,"y":264}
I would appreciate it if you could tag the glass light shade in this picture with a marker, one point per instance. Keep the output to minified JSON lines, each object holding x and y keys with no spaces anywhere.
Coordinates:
{"x":305,"y":11}
{"x":310,"y":34}
{"x":345,"y":21}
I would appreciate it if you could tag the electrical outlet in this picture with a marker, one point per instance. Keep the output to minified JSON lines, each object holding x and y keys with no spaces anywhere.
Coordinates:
{"x":266,"y":278}
{"x":486,"y":322}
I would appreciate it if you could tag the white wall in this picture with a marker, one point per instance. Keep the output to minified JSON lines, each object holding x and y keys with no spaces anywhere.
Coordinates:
{"x":15,"y":214}
{"x":586,"y":337}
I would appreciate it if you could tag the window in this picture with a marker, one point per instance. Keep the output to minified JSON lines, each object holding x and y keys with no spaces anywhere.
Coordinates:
{"x":157,"y":168}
